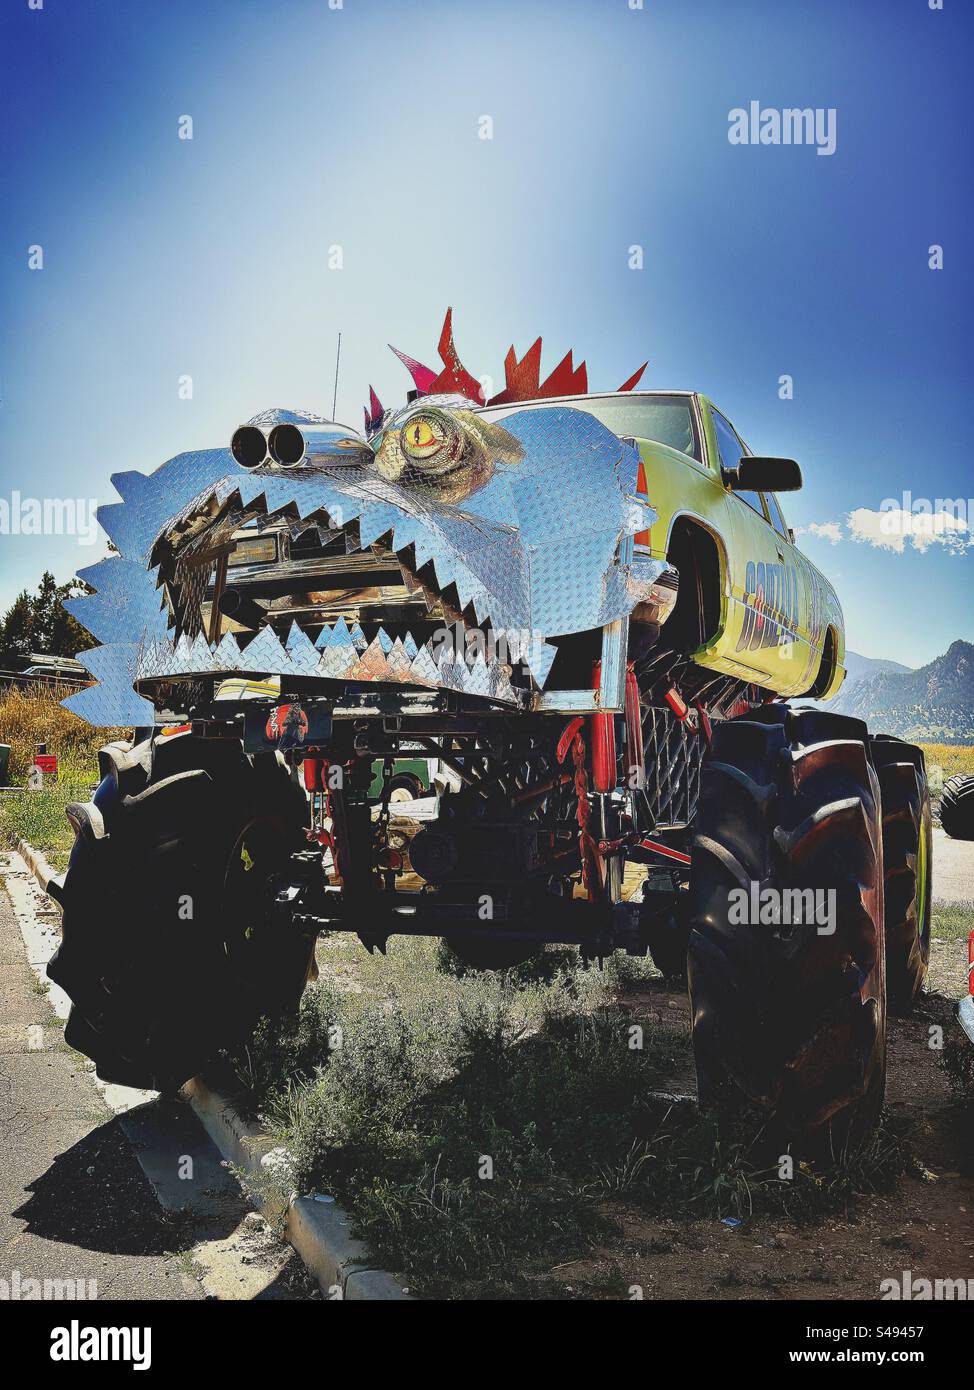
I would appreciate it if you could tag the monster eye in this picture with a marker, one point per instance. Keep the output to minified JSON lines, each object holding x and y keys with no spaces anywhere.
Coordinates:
{"x":422,"y":437}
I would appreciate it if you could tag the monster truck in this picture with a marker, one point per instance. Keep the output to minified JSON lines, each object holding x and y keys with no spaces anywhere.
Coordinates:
{"x":590,"y":609}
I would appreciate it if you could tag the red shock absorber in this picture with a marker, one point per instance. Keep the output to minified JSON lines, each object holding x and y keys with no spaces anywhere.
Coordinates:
{"x":313,"y":772}
{"x":593,"y":865}
{"x":603,"y":734}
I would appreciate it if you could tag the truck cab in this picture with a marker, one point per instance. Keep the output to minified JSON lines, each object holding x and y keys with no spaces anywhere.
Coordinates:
{"x":767,"y":615}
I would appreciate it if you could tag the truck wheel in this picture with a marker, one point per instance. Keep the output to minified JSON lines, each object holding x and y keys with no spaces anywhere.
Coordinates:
{"x":907,"y":862}
{"x":957,"y":807}
{"x":170,"y":949}
{"x":405,"y":786}
{"x":789,"y":1019}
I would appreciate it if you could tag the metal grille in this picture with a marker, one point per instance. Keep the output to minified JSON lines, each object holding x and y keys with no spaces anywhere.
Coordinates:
{"x":673,"y":757}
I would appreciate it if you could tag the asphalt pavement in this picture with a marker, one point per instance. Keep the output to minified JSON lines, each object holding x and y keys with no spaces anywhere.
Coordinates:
{"x":74,"y":1201}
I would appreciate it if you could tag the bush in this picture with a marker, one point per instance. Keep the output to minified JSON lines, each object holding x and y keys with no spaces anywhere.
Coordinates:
{"x":479,"y":1129}
{"x":30,"y":715}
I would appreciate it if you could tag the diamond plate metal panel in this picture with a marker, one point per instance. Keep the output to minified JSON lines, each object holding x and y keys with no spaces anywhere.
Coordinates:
{"x":534,"y":550}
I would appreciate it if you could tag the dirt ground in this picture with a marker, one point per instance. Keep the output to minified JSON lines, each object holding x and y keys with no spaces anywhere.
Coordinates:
{"x":926,"y":1225}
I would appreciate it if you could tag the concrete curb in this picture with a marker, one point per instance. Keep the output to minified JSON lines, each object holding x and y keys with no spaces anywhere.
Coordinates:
{"x":965,"y":1013}
{"x":36,"y":862}
{"x":317,"y":1228}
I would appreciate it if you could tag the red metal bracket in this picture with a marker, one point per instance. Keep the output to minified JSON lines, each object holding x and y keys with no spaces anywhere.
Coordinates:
{"x":677,"y":704}
{"x":664,"y":850}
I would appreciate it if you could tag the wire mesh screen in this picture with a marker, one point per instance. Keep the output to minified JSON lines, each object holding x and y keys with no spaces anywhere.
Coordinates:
{"x":674,"y":754}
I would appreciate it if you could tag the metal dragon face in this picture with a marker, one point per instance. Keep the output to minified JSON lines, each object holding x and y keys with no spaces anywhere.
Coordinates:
{"x":444,"y":455}
{"x":523,"y":529}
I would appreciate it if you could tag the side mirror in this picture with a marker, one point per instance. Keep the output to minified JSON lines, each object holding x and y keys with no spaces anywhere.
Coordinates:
{"x":754,"y":474}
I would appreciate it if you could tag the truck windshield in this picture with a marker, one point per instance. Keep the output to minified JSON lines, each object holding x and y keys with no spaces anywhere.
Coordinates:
{"x":664,"y":419}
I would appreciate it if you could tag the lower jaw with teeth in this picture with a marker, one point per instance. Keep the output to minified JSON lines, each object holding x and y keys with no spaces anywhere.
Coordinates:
{"x":338,"y":654}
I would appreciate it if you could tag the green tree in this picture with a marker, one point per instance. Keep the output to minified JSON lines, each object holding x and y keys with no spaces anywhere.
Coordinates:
{"x":40,"y":623}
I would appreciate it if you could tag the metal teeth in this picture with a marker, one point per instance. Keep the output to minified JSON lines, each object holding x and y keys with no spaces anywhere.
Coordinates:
{"x":227,"y":654}
{"x":302,"y":653}
{"x":536,"y":551}
{"x":335,"y":656}
{"x":397,"y":660}
{"x":112,"y":701}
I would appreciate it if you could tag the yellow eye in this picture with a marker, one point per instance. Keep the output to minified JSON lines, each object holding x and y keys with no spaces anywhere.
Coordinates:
{"x":421,"y":437}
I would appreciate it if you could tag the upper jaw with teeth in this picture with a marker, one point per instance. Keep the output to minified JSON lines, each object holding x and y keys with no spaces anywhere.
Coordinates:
{"x":522,"y":524}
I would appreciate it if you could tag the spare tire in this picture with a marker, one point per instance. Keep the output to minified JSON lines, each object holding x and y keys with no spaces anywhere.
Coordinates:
{"x":957,"y":807}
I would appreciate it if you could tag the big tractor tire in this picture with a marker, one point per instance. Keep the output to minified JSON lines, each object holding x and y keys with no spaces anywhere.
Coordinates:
{"x":957,"y":807}
{"x":789,"y":1018}
{"x":170,"y":948}
{"x":907,"y":863}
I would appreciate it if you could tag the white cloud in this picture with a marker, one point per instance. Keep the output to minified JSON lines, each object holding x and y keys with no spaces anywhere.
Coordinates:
{"x":894,"y":528}
{"x":830,"y":531}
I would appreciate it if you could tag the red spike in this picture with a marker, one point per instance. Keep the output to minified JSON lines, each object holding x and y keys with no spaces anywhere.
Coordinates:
{"x":454,"y":377}
{"x":566,"y":380}
{"x":521,"y":378}
{"x":630,"y":383}
{"x":423,"y":377}
{"x":373,"y":411}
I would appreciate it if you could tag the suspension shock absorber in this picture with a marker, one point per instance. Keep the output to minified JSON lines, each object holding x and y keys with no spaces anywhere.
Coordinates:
{"x":314,"y":772}
{"x":593,"y":865}
{"x":603,"y":735}
{"x":635,"y":755}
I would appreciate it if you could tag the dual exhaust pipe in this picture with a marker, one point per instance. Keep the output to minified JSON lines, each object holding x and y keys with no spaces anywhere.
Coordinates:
{"x":283,"y":445}
{"x":289,"y":446}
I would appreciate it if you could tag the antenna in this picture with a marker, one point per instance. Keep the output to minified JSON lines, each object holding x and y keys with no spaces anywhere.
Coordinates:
{"x":338,"y":358}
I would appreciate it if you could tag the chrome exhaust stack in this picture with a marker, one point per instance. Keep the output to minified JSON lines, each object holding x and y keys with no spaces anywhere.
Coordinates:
{"x":249,"y":446}
{"x":324,"y":446}
{"x":290,"y":446}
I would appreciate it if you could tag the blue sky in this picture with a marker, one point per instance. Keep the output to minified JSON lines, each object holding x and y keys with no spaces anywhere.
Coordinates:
{"x":358,"y":127}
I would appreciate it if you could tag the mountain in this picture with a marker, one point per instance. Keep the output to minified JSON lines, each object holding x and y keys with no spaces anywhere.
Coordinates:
{"x":857,"y":668}
{"x":860,"y":667}
{"x":933,"y":704}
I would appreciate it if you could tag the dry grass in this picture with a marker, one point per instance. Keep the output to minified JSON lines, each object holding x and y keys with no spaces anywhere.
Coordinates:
{"x":30,"y":715}
{"x":950,"y":758}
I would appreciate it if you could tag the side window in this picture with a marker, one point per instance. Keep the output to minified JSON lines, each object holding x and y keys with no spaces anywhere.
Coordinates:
{"x":777,"y":520}
{"x":731,"y":451}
